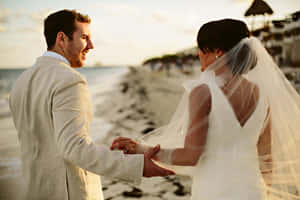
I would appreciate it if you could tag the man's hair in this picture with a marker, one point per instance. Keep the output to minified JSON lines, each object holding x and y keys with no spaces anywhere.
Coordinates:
{"x":63,"y":20}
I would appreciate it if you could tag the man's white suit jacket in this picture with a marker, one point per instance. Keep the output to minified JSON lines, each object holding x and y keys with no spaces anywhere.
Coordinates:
{"x":52,"y":112}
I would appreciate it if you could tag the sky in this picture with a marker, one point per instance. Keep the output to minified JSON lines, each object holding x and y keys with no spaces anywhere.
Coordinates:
{"x":124,"y":32}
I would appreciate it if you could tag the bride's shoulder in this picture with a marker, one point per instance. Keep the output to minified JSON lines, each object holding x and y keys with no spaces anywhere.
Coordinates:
{"x":202,"y":89}
{"x":201,"y":93}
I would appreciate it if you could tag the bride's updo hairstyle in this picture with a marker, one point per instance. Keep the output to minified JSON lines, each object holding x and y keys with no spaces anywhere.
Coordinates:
{"x":227,"y":35}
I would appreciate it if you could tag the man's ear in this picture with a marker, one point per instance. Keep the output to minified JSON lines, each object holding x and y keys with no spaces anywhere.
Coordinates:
{"x":61,"y":39}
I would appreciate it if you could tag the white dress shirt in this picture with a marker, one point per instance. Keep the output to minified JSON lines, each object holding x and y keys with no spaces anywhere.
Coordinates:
{"x":56,"y":55}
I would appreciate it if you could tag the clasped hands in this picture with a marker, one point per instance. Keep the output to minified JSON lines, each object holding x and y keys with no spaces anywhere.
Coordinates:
{"x":129,"y":146}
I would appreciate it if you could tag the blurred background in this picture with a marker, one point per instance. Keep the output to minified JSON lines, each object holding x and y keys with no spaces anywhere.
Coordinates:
{"x":126,"y":32}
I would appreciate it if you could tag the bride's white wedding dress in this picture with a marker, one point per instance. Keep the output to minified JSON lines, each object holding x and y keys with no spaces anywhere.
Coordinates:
{"x":229,"y":167}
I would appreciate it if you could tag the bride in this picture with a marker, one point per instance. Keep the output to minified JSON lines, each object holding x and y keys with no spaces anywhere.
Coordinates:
{"x":235,"y":131}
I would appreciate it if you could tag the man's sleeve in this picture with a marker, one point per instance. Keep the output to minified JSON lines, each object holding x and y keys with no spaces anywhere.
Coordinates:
{"x":70,"y":110}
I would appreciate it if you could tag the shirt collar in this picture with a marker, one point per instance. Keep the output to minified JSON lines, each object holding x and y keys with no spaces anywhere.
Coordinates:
{"x":56,"y":55}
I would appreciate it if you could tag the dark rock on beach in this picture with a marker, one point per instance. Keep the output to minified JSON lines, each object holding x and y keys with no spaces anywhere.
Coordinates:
{"x":137,"y":193}
{"x":147,"y":130}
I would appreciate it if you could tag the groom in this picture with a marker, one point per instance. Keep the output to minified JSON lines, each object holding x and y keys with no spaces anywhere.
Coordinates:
{"x":51,"y":109}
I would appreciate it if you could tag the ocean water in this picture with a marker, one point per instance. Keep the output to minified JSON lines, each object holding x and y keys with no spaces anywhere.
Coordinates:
{"x":101,"y":81}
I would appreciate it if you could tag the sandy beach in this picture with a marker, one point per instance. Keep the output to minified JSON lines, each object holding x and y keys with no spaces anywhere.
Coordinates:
{"x":141,"y":102}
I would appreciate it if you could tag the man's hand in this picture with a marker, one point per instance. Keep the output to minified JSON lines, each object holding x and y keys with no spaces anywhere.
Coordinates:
{"x":150,"y":168}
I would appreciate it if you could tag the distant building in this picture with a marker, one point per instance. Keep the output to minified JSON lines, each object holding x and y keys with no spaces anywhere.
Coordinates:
{"x":282,"y":39}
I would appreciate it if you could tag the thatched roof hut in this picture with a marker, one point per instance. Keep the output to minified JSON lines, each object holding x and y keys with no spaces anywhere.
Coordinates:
{"x":259,"y":7}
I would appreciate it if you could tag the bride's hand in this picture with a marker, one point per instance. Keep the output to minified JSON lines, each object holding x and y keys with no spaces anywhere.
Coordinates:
{"x":127,"y":145}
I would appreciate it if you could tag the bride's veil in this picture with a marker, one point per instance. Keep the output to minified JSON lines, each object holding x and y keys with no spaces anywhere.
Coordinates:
{"x":249,"y":62}
{"x":284,"y":102}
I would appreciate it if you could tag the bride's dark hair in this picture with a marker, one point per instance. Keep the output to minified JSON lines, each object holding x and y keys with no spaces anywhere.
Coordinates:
{"x":224,"y":35}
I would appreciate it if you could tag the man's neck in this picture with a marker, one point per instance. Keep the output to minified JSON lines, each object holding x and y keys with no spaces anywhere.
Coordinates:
{"x":57,"y":54}
{"x":58,"y":51}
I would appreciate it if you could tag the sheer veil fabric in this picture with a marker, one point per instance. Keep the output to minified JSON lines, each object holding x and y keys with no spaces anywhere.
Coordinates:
{"x":253,"y":78}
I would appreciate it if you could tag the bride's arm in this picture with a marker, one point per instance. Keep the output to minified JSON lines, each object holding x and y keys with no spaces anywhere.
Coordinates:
{"x":199,"y":109}
{"x":264,"y":147}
